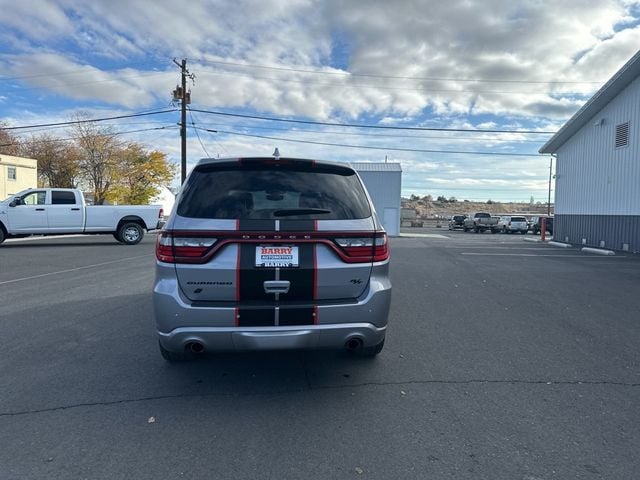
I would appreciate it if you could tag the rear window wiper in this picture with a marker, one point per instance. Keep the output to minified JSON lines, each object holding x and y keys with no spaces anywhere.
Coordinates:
{"x":288,"y":212}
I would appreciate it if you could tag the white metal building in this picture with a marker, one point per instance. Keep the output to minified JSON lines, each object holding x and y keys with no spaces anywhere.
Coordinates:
{"x":597,"y":200}
{"x":384,"y":183}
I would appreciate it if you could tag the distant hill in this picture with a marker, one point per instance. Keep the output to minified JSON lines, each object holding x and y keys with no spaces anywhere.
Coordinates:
{"x":431,"y":209}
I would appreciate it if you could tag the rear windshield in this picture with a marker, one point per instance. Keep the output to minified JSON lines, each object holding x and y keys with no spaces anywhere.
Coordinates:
{"x":518,"y":219}
{"x":258,"y":191}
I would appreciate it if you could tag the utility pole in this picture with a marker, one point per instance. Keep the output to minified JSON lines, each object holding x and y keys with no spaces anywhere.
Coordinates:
{"x":181,"y":94}
{"x":549,"y":198}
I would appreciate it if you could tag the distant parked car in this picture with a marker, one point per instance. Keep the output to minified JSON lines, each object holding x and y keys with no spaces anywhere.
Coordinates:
{"x":457,"y":221}
{"x":510,"y":224}
{"x":536,"y":224}
{"x":481,"y":221}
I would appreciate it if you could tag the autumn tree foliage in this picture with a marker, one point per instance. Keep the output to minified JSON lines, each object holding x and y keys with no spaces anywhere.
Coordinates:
{"x":58,"y":160}
{"x":95,"y":160}
{"x":139,"y":174}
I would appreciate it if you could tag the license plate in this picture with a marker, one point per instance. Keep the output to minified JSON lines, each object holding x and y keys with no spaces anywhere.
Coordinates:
{"x":276,"y":256}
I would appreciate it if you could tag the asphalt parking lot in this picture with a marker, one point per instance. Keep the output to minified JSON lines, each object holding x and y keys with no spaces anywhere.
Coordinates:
{"x":504,"y":359}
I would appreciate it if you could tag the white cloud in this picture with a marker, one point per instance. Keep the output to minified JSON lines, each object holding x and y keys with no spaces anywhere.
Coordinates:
{"x":442,"y":64}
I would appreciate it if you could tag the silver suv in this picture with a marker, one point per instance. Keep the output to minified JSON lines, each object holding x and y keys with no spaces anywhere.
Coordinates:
{"x":271,"y":253}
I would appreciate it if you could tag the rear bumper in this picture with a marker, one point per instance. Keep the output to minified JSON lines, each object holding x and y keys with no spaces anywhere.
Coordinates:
{"x":179,"y":322}
{"x":272,"y":338}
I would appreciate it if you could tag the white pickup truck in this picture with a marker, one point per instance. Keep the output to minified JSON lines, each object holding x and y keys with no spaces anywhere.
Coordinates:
{"x":59,"y":211}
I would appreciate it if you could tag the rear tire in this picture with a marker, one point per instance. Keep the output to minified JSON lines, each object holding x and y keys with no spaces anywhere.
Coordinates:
{"x":172,"y":357}
{"x":2,"y":236}
{"x":130,"y":233}
{"x":370,"y":352}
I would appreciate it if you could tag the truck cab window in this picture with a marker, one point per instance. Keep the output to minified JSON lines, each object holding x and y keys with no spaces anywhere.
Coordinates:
{"x":63,"y":198}
{"x":34,"y":198}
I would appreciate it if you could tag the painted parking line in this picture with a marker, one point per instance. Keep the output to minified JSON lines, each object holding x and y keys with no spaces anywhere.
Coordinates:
{"x":423,"y":235}
{"x":16,"y":280}
{"x":576,"y":255}
{"x":43,"y":237}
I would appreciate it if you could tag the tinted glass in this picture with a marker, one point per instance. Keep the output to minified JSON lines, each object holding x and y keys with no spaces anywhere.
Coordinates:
{"x":63,"y":198}
{"x":268,"y":192}
{"x":518,"y":219}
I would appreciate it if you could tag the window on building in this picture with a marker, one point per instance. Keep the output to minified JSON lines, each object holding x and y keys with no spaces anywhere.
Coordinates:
{"x":622,"y":135}
{"x":12,"y":174}
{"x":62,"y":198}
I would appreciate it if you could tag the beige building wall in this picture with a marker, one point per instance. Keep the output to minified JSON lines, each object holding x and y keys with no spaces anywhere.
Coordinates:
{"x":16,"y":174}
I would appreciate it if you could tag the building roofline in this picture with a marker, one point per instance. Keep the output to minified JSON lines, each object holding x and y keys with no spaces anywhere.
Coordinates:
{"x":620,"y":80}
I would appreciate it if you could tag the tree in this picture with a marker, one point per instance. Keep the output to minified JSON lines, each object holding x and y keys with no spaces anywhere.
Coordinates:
{"x":453,"y":199}
{"x":98,"y":148}
{"x":427,"y":198}
{"x":490,"y":202}
{"x":58,"y":161}
{"x":139,"y":174}
{"x":9,"y":143}
{"x":414,"y":197}
{"x":442,"y":199}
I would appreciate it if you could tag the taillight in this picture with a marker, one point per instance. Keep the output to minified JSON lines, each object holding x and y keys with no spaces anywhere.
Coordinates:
{"x":365,"y":249}
{"x":179,"y":249}
{"x":161,"y":214}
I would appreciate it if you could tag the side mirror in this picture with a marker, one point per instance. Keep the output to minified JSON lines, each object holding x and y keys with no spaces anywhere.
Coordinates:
{"x":14,"y":202}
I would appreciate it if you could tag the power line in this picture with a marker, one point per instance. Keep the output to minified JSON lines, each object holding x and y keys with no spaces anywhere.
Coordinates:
{"x":75,"y":122}
{"x":381,"y":127}
{"x":89,"y":82}
{"x":367,"y":147}
{"x":193,"y":123}
{"x":55,"y":140}
{"x":384,"y":87}
{"x":363,"y":134}
{"x":395,"y":77}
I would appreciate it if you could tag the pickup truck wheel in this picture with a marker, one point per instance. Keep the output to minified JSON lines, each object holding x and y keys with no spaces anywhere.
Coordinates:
{"x":477,"y":230}
{"x":1,"y":235}
{"x":116,"y":235}
{"x":130,"y":233}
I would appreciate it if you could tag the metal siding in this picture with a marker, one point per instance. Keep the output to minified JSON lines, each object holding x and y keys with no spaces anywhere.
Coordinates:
{"x":614,"y":230}
{"x":376,"y":167}
{"x":592,"y":176}
{"x":385,"y":191}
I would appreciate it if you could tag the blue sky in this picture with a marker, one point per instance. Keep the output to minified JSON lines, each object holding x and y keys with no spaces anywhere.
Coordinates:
{"x":461,"y":64}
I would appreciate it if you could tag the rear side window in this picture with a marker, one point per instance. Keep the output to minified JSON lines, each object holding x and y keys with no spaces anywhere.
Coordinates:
{"x":270,"y":191}
{"x":62,"y":198}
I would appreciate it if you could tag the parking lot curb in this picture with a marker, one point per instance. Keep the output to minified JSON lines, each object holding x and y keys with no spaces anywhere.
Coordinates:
{"x":534,"y":240}
{"x":598,"y":251}
{"x":559,"y":244}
